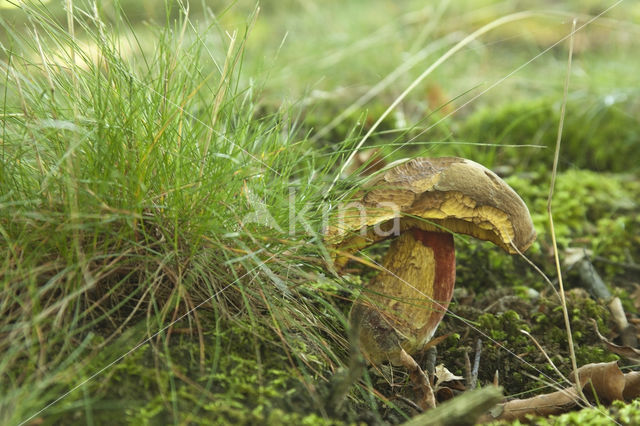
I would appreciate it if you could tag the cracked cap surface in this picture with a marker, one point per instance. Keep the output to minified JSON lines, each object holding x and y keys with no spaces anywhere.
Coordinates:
{"x":447,"y":194}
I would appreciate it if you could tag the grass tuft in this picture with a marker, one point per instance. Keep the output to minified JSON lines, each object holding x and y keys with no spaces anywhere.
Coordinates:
{"x":149,"y":190}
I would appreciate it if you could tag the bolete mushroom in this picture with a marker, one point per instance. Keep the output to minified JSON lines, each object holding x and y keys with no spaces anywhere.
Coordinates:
{"x":422,"y":202}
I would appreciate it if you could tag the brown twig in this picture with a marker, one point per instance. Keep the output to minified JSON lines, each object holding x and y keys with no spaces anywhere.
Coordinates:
{"x":421,"y":380}
{"x":467,"y":368}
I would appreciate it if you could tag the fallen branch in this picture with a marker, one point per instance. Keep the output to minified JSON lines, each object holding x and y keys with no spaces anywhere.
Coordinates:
{"x":603,"y":382}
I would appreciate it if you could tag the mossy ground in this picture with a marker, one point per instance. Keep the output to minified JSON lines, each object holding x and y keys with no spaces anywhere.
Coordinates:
{"x":108,"y":187}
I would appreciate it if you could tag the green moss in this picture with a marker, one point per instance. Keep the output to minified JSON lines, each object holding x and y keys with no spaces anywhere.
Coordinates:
{"x":509,"y":351}
{"x":597,"y":135}
{"x":595,"y":211}
{"x":549,"y":326}
{"x":249,"y":383}
{"x":505,"y":327}
{"x":504,"y":331}
{"x":481,"y":266}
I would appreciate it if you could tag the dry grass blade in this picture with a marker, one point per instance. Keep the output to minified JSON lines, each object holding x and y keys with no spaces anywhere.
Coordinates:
{"x":565,"y":312}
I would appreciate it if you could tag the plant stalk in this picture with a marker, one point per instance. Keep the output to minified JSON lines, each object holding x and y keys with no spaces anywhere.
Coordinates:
{"x":572,"y":353}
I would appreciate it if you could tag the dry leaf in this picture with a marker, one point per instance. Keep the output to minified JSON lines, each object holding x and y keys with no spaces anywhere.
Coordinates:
{"x":631,"y":385}
{"x":436,"y":341}
{"x":444,"y":375}
{"x":444,"y":394}
{"x":625,"y":351}
{"x":627,"y":331}
{"x":447,"y":384}
{"x":542,"y":405}
{"x":602,"y":380}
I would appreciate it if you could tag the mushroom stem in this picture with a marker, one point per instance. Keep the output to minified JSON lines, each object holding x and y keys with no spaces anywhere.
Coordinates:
{"x":409,"y":300}
{"x":444,"y":274}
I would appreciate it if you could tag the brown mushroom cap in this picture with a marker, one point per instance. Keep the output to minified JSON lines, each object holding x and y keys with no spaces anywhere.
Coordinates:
{"x":447,"y":194}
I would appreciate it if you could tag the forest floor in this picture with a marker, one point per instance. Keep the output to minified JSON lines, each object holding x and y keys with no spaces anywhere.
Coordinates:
{"x":167,"y":169}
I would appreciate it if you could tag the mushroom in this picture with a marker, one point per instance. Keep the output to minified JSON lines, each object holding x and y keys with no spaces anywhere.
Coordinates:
{"x":422,"y":203}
